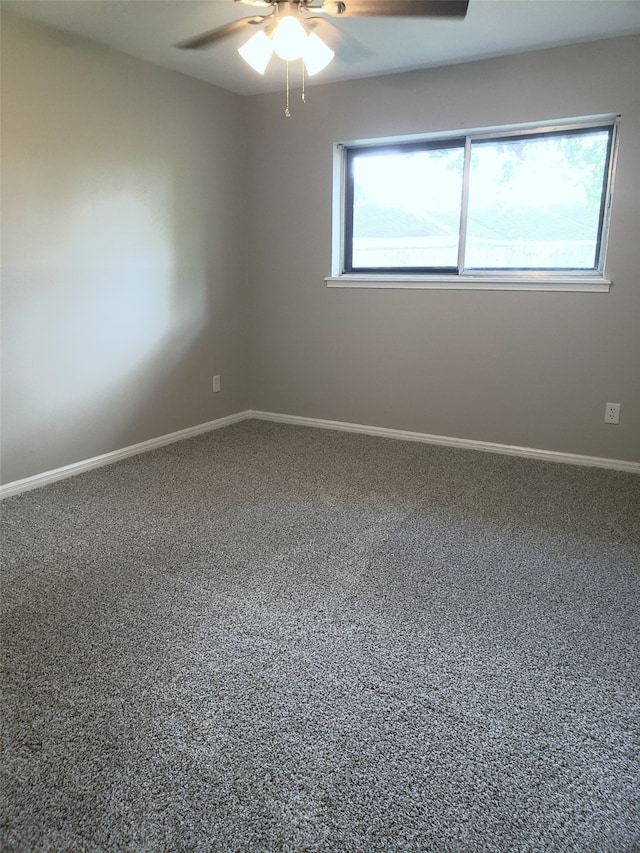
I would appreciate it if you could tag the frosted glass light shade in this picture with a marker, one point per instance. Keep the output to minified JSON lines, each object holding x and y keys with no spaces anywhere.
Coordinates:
{"x":289,"y":39}
{"x":316,"y":55}
{"x":257,"y":51}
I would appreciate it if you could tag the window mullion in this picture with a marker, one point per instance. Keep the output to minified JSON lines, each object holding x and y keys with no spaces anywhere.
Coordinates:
{"x":464,"y":204}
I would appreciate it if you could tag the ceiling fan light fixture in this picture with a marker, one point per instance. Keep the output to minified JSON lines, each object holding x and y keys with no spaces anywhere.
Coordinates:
{"x":257,"y":51}
{"x":290,"y":38}
{"x":317,"y":55}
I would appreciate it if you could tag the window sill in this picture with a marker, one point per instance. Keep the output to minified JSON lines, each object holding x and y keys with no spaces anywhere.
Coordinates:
{"x":566,"y":284}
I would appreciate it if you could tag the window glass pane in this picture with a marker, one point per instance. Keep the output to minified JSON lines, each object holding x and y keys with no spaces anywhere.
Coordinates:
{"x":406,"y":208}
{"x":535,"y":202}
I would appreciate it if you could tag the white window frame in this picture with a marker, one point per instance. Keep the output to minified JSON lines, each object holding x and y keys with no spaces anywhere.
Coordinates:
{"x":555,"y":280}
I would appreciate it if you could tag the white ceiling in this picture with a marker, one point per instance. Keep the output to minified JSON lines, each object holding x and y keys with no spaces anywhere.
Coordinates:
{"x":149,"y":29}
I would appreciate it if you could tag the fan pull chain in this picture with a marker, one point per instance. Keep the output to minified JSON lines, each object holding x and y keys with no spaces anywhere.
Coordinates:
{"x":304,"y":100}
{"x":286,"y":109}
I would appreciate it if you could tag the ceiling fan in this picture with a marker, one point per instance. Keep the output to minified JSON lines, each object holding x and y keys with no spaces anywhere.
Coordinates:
{"x":287,"y":28}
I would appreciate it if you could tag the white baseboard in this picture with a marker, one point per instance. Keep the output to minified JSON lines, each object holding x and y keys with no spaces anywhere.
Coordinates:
{"x":447,"y":441}
{"x":18,"y":486}
{"x":34,"y":482}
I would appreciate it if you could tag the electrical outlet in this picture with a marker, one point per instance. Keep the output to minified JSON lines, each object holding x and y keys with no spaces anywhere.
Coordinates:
{"x":612,"y":413}
{"x":216,"y":384}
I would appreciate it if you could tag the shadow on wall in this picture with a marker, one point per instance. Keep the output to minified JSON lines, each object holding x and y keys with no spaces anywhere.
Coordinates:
{"x":108,"y":326}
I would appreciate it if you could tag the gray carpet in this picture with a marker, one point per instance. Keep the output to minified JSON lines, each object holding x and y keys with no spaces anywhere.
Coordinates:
{"x":274,"y":638}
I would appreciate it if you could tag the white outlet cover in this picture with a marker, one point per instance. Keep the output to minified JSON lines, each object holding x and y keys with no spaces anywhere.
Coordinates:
{"x":612,"y":413}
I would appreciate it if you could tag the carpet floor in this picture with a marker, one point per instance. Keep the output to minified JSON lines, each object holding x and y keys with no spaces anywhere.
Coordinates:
{"x":276,"y":638}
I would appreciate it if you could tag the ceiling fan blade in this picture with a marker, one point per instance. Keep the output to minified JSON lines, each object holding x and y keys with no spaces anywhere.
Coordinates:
{"x":396,"y":8}
{"x":212,"y":36}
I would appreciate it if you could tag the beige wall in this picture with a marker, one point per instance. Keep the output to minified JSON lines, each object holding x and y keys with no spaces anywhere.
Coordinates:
{"x":123,"y":251}
{"x":529,"y":369}
{"x":126,"y":245}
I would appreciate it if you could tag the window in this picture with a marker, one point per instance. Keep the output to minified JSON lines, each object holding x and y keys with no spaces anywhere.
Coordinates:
{"x":523,"y":204}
